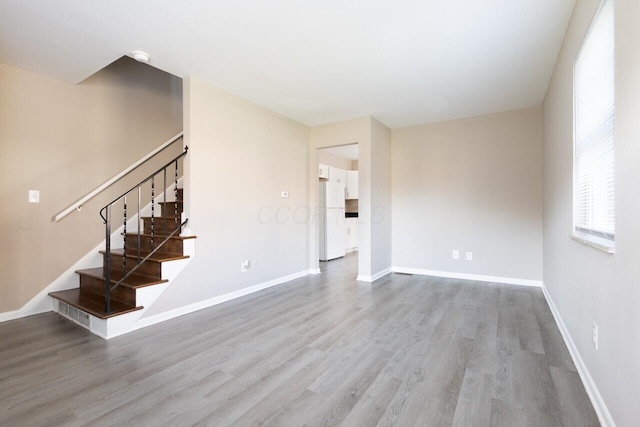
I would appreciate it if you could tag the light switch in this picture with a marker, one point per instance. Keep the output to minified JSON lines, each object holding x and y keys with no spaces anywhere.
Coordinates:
{"x":34,"y":196}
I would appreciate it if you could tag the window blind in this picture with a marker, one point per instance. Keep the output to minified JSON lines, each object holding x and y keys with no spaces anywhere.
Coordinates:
{"x":594,"y":93}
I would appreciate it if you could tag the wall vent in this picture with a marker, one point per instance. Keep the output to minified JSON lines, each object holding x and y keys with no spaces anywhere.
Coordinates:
{"x":63,"y":308}
{"x":77,"y":316}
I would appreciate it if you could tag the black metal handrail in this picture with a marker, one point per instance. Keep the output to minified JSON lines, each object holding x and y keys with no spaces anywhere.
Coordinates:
{"x":105,"y":213}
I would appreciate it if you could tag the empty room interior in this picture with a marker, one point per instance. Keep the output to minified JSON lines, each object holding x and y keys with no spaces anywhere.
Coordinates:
{"x":320,"y":213}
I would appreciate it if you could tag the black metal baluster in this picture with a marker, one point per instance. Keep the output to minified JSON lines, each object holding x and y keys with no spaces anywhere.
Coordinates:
{"x":139,"y":219}
{"x":153,"y":189}
{"x":124,"y":241}
{"x":141,"y":229}
{"x":164,"y":206}
{"x":107,"y":274}
{"x":175,"y":190}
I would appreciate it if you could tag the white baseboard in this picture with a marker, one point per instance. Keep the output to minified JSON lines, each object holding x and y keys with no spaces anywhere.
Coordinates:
{"x":604,"y":416}
{"x":465,"y":276}
{"x":10,"y":315}
{"x":200,"y":305}
{"x":315,"y":271}
{"x":373,"y":278}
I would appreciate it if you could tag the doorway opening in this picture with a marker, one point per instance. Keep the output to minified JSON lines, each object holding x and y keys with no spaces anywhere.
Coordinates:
{"x":338,"y":192}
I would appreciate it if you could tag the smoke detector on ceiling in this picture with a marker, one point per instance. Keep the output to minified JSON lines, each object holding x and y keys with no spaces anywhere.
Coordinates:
{"x":140,"y":56}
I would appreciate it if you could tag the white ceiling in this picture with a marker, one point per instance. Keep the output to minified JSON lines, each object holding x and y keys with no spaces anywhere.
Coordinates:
{"x":406,"y":62}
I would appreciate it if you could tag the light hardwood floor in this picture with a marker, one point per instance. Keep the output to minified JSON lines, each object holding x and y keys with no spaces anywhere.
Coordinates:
{"x":321,"y":350}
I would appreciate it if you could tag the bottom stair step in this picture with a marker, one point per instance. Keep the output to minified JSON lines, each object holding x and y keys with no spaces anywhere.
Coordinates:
{"x":92,"y":303}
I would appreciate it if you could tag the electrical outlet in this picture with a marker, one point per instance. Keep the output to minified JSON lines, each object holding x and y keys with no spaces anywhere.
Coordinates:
{"x":284,"y":194}
{"x":469,"y":256}
{"x":455,"y":254}
{"x":244,"y":266}
{"x":594,"y":326}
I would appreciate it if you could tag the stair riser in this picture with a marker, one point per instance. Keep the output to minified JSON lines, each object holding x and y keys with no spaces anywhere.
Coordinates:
{"x":121,"y":293}
{"x":148,"y":268}
{"x":173,"y":246}
{"x":168,"y":208}
{"x":159,"y":227}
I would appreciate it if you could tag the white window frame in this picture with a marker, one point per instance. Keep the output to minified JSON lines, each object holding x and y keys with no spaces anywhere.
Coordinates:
{"x":590,"y":236}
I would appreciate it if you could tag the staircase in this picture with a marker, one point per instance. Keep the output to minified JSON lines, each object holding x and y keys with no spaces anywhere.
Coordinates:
{"x":111,"y":299}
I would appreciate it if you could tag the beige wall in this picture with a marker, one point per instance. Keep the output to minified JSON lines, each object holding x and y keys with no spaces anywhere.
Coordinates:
{"x":588,"y":285}
{"x":241,"y":157}
{"x":380,"y":197}
{"x":374,"y":188}
{"x":472,"y":185}
{"x":343,"y":133}
{"x":331,"y":159}
{"x":65,"y":140}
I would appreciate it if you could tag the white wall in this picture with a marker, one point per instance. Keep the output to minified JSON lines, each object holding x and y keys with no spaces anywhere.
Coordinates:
{"x":241,"y":157}
{"x":585,"y":284}
{"x":472,"y":185}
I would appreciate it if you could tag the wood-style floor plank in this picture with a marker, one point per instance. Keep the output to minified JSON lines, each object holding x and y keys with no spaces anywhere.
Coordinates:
{"x":321,"y":350}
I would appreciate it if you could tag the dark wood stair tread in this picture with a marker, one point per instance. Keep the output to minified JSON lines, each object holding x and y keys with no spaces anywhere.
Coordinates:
{"x":157,"y":257}
{"x":92,"y":303}
{"x":89,"y":298}
{"x":177,"y":237}
{"x":134,"y":281}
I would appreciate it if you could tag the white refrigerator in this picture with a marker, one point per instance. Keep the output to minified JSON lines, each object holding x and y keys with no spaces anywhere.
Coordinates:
{"x":332,"y":223}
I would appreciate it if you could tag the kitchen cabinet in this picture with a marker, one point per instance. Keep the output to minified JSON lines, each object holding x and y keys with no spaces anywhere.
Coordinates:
{"x":323,"y":171}
{"x":352,"y":234}
{"x":338,"y":175}
{"x":352,"y":185}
